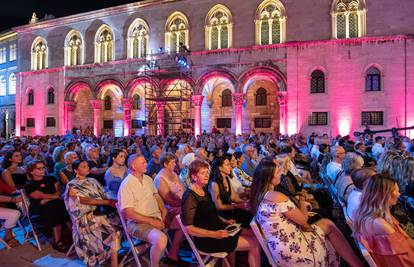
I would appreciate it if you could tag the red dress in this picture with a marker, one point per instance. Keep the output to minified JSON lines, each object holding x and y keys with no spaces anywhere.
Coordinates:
{"x":389,"y":250}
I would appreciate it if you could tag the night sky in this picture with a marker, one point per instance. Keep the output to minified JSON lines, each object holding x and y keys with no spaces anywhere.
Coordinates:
{"x":18,"y":12}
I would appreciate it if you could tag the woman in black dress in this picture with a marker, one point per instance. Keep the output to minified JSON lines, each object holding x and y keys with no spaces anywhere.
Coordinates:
{"x":227,"y":201}
{"x":13,"y":174}
{"x":45,"y":201}
{"x":201,"y":219}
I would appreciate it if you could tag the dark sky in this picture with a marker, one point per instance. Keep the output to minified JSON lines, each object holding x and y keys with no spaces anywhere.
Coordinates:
{"x":18,"y":12}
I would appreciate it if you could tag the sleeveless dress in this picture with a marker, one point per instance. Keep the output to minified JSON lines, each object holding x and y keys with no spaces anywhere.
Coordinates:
{"x":288,"y":243}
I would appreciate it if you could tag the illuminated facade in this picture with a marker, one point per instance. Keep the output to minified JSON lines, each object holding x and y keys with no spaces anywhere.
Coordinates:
{"x":273,"y":65}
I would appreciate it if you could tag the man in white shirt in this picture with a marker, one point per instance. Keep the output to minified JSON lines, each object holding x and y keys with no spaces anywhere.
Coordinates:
{"x":335,"y":166}
{"x":377,"y":148}
{"x":143,"y":208}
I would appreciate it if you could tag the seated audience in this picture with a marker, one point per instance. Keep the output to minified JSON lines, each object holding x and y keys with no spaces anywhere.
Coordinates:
{"x":202,"y":221}
{"x":289,"y":230}
{"x":377,"y":229}
{"x":343,"y":183}
{"x":44,"y":193}
{"x":58,"y":158}
{"x":227,"y":201}
{"x":67,"y":174}
{"x":335,"y":166}
{"x":10,"y":217}
{"x":238,"y":171}
{"x":97,"y":169}
{"x":13,"y":174}
{"x":360,"y":178}
{"x":154,"y":165}
{"x":95,"y":235}
{"x":248,"y":164}
{"x":143,"y":209}
{"x":116,"y":173}
{"x":171,"y":190}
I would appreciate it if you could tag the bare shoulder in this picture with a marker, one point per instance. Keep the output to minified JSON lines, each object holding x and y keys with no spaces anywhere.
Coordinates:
{"x":275,"y":196}
{"x":382,"y":227}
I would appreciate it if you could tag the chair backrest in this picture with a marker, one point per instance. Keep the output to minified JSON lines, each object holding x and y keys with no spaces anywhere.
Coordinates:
{"x":25,"y":203}
{"x":124,"y":227}
{"x":190,"y":241}
{"x":366,"y":254}
{"x":259,"y":236}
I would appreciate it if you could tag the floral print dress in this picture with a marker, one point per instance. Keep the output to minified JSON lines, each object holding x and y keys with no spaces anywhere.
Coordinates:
{"x":93,"y":235}
{"x":288,"y":243}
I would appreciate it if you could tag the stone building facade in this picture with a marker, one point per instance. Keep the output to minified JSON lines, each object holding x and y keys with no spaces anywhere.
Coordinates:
{"x":330,"y":66}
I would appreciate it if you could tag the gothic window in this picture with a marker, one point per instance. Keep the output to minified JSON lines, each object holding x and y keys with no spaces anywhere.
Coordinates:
{"x":261,"y":97}
{"x":12,"y":84}
{"x":270,"y":23}
{"x":73,"y":49}
{"x":104,"y":45}
{"x":373,"y":80}
{"x":108,"y":103}
{"x":348,"y":18}
{"x":13,"y":52}
{"x":226,"y":99}
{"x":219,"y":28}
{"x":30,"y":98}
{"x":317,"y":82}
{"x":51,"y":96}
{"x":2,"y":86}
{"x":39,"y":54}
{"x":138,"y":39}
{"x":136,"y":104}
{"x":177,"y":33}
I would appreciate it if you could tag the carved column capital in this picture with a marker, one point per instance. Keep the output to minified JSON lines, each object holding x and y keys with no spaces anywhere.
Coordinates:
{"x":197,"y":100}
{"x":127,"y":103}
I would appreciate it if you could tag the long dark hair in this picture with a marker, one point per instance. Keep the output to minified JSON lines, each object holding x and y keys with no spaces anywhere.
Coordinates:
{"x":7,"y":159}
{"x":215,"y":175}
{"x":262,"y":177}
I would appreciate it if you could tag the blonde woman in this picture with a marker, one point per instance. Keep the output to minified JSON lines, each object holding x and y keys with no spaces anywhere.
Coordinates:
{"x":377,"y":229}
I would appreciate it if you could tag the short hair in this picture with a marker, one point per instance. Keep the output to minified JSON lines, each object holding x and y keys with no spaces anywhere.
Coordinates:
{"x":132,"y":158}
{"x":378,"y":138}
{"x":32,"y":165}
{"x":153,"y":148}
{"x":196,"y":166}
{"x":359,"y":176}
{"x":58,"y":153}
{"x":351,"y":162}
{"x":167,"y":158}
{"x":238,"y":155}
{"x":286,"y":150}
{"x":358,"y":145}
{"x":76,"y":163}
{"x":68,"y":154}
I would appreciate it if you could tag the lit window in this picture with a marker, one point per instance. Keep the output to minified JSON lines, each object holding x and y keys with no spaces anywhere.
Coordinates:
{"x":176,"y":33}
{"x":39,"y":54}
{"x":12,"y":84}
{"x":2,"y":86}
{"x":348,"y":19}
{"x":270,"y":23}
{"x":261,"y":97}
{"x":2,"y":55}
{"x":219,"y":27}
{"x":104,"y":45}
{"x":138,"y":39}
{"x":13,"y":52}
{"x":73,"y":49}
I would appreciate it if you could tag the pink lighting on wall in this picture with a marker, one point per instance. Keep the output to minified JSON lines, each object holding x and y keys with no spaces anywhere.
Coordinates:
{"x":238,"y":99}
{"x":197,"y":101}
{"x":97,"y":106}
{"x":160,"y":105}
{"x":344,"y":127}
{"x":127,"y":106}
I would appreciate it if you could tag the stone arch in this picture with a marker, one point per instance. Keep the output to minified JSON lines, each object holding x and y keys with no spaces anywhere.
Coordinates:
{"x":103,"y":86}
{"x":258,"y":117}
{"x":73,"y":88}
{"x":79,"y":94}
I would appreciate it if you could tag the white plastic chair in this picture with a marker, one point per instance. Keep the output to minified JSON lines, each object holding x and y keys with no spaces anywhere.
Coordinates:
{"x":198,"y":254}
{"x":133,"y":248}
{"x":366,"y":254}
{"x":26,"y":214}
{"x":259,"y":236}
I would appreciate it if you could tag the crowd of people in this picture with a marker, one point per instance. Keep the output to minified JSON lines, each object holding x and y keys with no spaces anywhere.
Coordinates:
{"x":76,"y":182}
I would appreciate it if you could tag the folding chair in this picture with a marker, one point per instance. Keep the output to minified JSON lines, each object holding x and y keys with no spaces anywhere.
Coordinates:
{"x":366,"y":254}
{"x":26,"y":214}
{"x":4,"y":242}
{"x":133,"y":248}
{"x":259,"y":236}
{"x":198,"y":253}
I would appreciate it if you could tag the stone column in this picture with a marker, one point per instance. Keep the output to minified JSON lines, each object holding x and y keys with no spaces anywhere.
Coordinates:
{"x":281,"y":98}
{"x":97,"y":107}
{"x":160,"y":105}
{"x":197,"y":101}
{"x":127,"y":106}
{"x":238,"y":99}
{"x":69,"y":108}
